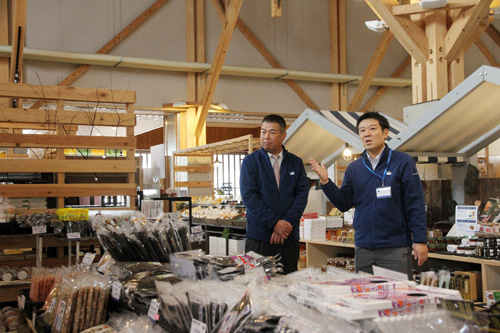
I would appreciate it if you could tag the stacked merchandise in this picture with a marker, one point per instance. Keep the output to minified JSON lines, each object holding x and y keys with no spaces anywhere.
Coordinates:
{"x":29,"y":203}
{"x":133,"y":238}
{"x":12,"y":274}
{"x":355,"y":297}
{"x":9,"y":319}
{"x":43,"y":280}
{"x":77,"y":303}
{"x":76,"y":221}
{"x":50,"y":219}
{"x":6,"y":210}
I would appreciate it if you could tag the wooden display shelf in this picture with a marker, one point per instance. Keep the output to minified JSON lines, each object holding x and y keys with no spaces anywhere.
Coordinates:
{"x":318,"y":251}
{"x":59,"y":120}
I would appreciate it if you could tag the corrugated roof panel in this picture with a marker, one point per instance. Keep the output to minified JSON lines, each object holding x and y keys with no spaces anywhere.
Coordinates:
{"x":460,"y":118}
{"x":313,"y":141}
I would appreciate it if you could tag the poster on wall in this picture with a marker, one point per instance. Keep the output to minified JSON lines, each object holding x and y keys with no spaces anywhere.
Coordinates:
{"x":466,"y":220}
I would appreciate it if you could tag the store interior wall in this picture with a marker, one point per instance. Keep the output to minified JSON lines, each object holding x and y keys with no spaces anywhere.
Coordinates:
{"x":299,"y":40}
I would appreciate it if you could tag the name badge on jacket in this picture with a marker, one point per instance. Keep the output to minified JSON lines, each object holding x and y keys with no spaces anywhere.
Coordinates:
{"x":383,"y":192}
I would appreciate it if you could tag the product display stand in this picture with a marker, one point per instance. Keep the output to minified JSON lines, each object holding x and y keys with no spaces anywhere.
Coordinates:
{"x":39,"y":246}
{"x":77,"y":254}
{"x":173,"y":199}
{"x":318,"y":252}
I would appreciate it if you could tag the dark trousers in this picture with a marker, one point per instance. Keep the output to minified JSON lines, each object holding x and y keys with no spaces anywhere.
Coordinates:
{"x":397,"y":259}
{"x":289,"y":252}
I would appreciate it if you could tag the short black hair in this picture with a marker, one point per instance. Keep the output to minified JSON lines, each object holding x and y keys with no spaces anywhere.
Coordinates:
{"x":275,"y":118}
{"x":384,"y":123}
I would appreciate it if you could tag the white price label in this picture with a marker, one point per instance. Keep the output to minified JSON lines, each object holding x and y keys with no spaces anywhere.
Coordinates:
{"x":21,"y":301}
{"x":39,"y":229}
{"x":88,"y":259}
{"x":116,"y":290}
{"x":74,"y":235}
{"x":153,"y":310}
{"x":196,"y":229}
{"x":198,"y":326}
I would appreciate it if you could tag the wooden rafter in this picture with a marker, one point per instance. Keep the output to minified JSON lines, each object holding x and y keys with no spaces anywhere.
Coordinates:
{"x":371,"y":70}
{"x":494,"y":34}
{"x":81,"y":69}
{"x":381,"y":90}
{"x":218,"y":61}
{"x":217,"y":4}
{"x":487,"y":54}
{"x":404,"y":29}
{"x":463,"y":29}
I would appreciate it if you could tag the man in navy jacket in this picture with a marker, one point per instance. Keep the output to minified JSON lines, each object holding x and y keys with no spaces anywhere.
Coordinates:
{"x":384,"y":187}
{"x":274,"y":188}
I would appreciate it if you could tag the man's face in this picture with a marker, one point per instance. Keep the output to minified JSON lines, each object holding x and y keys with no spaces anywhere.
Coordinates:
{"x":271,"y":137}
{"x":371,"y":135}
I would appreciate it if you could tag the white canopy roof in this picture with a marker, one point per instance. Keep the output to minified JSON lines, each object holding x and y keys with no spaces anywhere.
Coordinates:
{"x":459,"y":125}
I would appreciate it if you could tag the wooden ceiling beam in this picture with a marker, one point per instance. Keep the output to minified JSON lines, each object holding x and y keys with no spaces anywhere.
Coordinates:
{"x":487,"y":54}
{"x":81,"y":69}
{"x":371,"y":70}
{"x":409,"y":35}
{"x":217,"y":4}
{"x":494,"y":34}
{"x":417,"y":9}
{"x":218,"y":61}
{"x":381,"y":90}
{"x":462,"y":31}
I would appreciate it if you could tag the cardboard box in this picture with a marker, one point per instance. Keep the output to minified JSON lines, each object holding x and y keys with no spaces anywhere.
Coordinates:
{"x":236,"y":246}
{"x":491,"y":297}
{"x":213,"y":245}
{"x":221,"y":246}
{"x":334,"y":222}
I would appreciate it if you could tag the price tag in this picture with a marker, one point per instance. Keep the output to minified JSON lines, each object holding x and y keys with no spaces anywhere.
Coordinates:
{"x":196,"y":229}
{"x":198,"y":326}
{"x":153,"y":310}
{"x":21,"y":301}
{"x":39,"y":229}
{"x":116,"y":291}
{"x":88,"y":258}
{"x":74,"y":235}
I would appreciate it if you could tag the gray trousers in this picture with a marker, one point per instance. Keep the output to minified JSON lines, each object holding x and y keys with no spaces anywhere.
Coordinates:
{"x":395,"y":258}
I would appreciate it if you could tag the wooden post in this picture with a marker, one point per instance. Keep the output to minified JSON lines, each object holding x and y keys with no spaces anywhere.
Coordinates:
{"x":437,"y":65}
{"x":18,"y":36}
{"x":4,"y":40}
{"x":276,"y":8}
{"x":338,"y":53}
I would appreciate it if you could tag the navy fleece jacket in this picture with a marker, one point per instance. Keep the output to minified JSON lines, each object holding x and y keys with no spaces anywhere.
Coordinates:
{"x":388,"y":222}
{"x":265,"y":203}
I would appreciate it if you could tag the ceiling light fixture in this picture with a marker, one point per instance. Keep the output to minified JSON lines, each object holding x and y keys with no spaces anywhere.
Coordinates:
{"x":217,"y":162}
{"x":429,"y":4}
{"x":376,"y":25}
{"x":347,"y":155}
